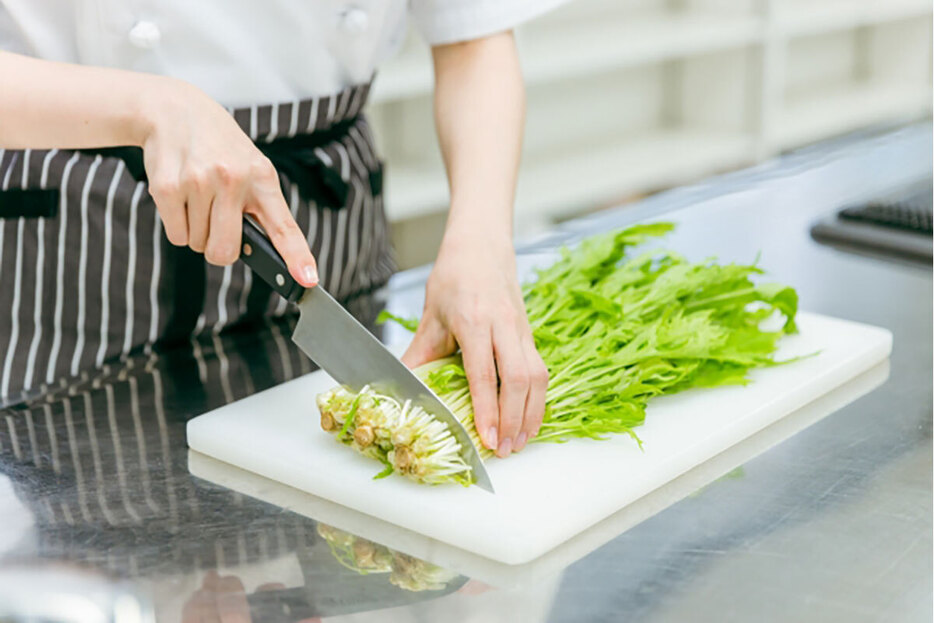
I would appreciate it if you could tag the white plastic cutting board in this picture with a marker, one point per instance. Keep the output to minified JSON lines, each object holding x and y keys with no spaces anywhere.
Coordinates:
{"x":549,"y":492}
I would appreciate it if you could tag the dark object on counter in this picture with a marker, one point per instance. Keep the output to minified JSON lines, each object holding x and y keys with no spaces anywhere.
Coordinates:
{"x":341,"y":593}
{"x":898,"y":225}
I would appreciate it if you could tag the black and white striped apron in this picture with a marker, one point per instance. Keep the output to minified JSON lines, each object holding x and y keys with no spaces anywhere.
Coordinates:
{"x":110,"y":448}
{"x":87,"y":274}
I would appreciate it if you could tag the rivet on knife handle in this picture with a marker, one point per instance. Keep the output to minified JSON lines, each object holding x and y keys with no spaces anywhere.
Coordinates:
{"x":257,"y":252}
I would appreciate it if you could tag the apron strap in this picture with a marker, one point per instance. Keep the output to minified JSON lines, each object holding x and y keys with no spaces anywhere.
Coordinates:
{"x":28,"y":203}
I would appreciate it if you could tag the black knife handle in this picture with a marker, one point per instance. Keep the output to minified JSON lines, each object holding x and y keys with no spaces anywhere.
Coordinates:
{"x":257,"y":252}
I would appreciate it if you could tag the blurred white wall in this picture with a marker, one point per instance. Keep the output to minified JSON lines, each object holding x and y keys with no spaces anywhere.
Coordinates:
{"x":627,"y":97}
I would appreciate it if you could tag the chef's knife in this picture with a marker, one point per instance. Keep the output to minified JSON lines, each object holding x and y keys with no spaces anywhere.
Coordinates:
{"x":341,"y":346}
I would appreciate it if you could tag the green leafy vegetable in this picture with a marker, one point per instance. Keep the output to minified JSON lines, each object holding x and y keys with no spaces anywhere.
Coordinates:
{"x":409,"y":323}
{"x":615,"y":329}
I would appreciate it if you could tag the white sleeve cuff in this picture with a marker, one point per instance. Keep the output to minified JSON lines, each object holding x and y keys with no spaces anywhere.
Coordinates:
{"x":450,"y":21}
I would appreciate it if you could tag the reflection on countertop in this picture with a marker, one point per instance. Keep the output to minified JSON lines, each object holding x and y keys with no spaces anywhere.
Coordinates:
{"x":833,"y":522}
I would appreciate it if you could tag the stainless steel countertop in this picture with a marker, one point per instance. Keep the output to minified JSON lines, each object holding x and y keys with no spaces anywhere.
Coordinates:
{"x":833,"y":523}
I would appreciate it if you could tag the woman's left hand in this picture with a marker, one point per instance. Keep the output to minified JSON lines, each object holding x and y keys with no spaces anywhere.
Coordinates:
{"x":473,"y":301}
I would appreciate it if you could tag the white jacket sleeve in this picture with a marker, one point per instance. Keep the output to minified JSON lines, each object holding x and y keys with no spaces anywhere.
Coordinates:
{"x":450,"y":21}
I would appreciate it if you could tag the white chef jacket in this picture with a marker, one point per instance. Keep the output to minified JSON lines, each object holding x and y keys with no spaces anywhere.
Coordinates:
{"x":244,"y":52}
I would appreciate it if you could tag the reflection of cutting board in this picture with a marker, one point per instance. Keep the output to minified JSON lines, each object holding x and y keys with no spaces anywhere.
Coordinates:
{"x":548,"y":493}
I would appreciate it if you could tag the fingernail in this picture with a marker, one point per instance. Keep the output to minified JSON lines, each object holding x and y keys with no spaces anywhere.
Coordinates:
{"x":520,"y":440}
{"x":491,"y":437}
{"x":310,"y":275}
{"x":505,"y":448}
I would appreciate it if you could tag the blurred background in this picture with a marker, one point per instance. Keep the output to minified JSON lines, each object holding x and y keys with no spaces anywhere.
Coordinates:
{"x":628,"y":97}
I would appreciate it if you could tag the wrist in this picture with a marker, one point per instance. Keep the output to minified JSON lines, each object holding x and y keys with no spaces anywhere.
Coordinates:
{"x":480,"y":220}
{"x":158,"y":99}
{"x":476,"y":252}
{"x":141,"y":111}
{"x":480,"y":237}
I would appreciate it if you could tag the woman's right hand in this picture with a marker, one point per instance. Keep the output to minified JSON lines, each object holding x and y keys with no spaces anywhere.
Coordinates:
{"x":205,"y":173}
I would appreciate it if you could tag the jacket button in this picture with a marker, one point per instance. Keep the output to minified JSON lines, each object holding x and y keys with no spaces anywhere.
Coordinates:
{"x":145,"y":34}
{"x":355,"y":20}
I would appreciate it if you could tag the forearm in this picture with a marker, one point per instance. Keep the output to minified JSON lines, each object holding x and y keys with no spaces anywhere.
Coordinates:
{"x":45,"y":104}
{"x":480,"y":114}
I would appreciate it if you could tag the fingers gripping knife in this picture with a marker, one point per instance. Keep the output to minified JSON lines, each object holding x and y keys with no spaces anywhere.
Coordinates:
{"x":344,"y":349}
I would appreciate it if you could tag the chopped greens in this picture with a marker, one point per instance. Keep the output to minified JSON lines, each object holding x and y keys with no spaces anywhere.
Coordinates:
{"x":615,"y":329}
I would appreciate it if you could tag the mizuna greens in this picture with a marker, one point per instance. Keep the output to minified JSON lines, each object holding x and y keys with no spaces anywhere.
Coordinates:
{"x":366,"y":557}
{"x":614,"y":328}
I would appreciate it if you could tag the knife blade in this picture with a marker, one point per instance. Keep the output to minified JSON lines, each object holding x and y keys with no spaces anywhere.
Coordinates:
{"x":343,"y":348}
